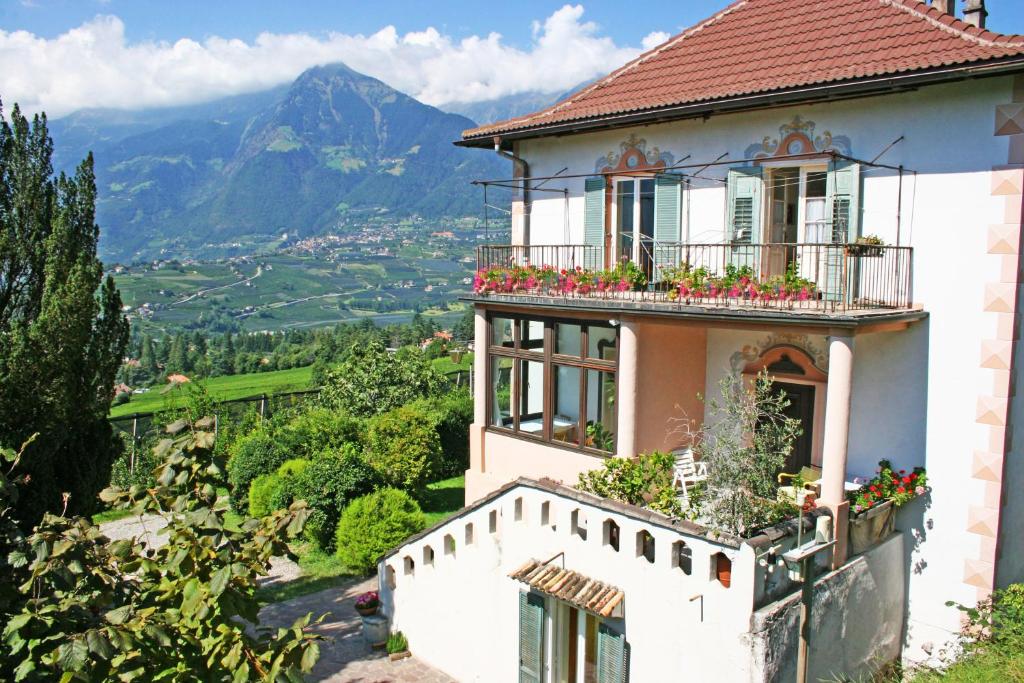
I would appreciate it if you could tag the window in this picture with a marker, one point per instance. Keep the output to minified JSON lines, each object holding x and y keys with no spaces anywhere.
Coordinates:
{"x":645,"y":545}
{"x":721,"y":567}
{"x":492,"y":522}
{"x":410,"y":566}
{"x":428,"y":556}
{"x":449,"y":545}
{"x":554,"y":381}
{"x":682,"y":557}
{"x":578,"y":522}
{"x":469,"y":534}
{"x":611,"y":534}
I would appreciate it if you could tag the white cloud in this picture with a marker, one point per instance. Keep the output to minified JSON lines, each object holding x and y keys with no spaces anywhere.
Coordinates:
{"x":93,"y":65}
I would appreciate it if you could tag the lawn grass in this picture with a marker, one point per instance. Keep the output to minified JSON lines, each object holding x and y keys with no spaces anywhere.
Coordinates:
{"x":221,"y":389}
{"x":111,"y":516}
{"x":443,"y":499}
{"x":980,"y":667}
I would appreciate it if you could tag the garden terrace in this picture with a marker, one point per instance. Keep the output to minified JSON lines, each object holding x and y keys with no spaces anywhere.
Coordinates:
{"x":829,"y":281}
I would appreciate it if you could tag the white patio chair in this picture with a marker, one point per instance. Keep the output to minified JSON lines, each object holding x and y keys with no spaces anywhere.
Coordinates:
{"x":687,"y":472}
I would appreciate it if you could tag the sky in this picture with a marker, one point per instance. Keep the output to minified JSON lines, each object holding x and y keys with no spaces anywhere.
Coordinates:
{"x":63,"y":55}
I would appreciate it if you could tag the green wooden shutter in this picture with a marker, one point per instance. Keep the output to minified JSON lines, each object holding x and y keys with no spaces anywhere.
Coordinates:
{"x":843,"y":200}
{"x":531,"y":638}
{"x":842,"y":203}
{"x":611,"y":655}
{"x":668,"y":202}
{"x":593,"y":221}
{"x":745,"y":191}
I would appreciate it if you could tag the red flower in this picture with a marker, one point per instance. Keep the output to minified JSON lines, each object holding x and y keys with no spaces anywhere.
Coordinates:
{"x":873,"y":487}
{"x":870,"y":503}
{"x":906,"y":480}
{"x":901,"y":490}
{"x":913,"y":476}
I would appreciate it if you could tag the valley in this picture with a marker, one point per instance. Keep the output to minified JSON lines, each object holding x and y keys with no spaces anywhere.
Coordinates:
{"x":385,"y":271}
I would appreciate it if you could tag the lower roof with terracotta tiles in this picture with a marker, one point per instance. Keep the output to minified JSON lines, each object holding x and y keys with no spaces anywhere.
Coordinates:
{"x":757,"y":48}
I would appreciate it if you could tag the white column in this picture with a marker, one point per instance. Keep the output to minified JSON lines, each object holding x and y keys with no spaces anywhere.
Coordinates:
{"x":627,"y":369}
{"x":836,"y":438}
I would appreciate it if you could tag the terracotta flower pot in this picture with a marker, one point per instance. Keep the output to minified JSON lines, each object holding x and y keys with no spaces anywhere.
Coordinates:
{"x":367,"y":611}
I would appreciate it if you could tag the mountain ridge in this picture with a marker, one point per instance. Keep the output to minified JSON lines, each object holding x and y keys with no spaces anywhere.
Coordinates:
{"x":329,"y":150}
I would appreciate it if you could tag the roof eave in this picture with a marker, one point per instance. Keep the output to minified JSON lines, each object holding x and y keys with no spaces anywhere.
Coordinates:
{"x":865,"y":87}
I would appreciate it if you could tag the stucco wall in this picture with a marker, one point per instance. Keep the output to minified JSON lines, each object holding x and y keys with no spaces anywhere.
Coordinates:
{"x":671,"y":372}
{"x":856,"y":624}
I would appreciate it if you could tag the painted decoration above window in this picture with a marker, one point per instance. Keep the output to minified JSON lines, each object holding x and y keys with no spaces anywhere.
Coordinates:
{"x":633,"y":156}
{"x":750,"y":353}
{"x":797,"y":137}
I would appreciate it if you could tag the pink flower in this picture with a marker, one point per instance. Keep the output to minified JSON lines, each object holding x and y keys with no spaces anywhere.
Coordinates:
{"x":919,"y":490}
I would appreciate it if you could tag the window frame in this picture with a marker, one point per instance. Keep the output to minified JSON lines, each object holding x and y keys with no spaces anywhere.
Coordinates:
{"x":550,"y":360}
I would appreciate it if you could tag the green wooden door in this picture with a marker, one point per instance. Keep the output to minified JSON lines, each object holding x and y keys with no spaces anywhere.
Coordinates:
{"x":743,"y":229}
{"x":593,"y":222}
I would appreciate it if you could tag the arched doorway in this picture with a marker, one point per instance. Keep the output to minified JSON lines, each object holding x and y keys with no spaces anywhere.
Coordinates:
{"x":793,"y":372}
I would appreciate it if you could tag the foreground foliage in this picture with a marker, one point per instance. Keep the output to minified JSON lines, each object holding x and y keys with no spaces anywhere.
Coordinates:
{"x":62,"y":333}
{"x":78,"y":606}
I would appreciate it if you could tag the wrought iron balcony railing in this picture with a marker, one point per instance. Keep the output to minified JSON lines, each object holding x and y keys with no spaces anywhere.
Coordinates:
{"x":827,"y":277}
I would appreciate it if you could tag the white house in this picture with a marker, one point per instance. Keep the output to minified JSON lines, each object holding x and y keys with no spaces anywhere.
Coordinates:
{"x":738,"y":167}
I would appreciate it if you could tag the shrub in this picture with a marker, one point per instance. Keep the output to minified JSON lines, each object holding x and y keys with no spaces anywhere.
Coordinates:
{"x":403,"y":448}
{"x":264,"y":492}
{"x":327,"y":484}
{"x":375,"y":523}
{"x":318,"y":429}
{"x":251,"y":456}
{"x":451,"y":415}
{"x":646,"y":480}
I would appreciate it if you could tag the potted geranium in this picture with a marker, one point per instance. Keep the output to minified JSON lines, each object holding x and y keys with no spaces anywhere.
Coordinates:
{"x":368,"y":603}
{"x":873,"y":505}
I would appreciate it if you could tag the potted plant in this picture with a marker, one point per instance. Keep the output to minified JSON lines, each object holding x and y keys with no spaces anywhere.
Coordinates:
{"x":866,"y":245}
{"x":873,"y":505}
{"x":367,"y":603}
{"x":398,"y":646}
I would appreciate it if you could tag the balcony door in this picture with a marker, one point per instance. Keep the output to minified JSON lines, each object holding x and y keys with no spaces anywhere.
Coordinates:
{"x":634,"y":221}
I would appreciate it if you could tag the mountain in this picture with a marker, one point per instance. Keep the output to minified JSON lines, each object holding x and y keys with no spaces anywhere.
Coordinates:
{"x":510,"y":106}
{"x":332,"y":149}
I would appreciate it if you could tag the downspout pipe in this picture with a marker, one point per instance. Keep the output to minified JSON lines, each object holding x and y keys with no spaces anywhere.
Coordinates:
{"x":520,"y":169}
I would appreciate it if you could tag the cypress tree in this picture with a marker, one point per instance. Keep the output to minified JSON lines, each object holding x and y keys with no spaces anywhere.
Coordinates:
{"x":62,"y":332}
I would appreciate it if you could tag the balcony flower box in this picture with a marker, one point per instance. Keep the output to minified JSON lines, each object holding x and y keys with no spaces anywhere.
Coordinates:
{"x":873,"y":506}
{"x":868,"y":246}
{"x":871,"y":527}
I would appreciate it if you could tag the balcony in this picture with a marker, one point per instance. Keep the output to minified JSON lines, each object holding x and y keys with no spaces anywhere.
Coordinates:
{"x":825,"y":281}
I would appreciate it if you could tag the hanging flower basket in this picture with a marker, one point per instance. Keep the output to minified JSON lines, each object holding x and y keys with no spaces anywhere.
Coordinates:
{"x":871,"y":527}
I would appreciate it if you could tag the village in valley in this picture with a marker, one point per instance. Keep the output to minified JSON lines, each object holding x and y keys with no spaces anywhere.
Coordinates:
{"x":336,"y":346}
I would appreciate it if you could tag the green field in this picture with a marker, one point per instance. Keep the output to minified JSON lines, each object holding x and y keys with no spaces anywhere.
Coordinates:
{"x":221,"y":389}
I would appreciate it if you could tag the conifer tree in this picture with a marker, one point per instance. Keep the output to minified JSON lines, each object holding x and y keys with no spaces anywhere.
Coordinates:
{"x":62,"y":332}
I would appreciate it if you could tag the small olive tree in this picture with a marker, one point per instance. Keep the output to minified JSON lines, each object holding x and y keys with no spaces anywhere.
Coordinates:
{"x":745,"y":440}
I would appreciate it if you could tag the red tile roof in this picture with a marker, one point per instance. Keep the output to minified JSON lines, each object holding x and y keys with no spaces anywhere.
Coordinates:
{"x":763,"y":46}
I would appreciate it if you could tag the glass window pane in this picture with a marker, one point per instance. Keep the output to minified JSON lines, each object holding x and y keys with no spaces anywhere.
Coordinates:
{"x":501,"y":332}
{"x":531,"y":397}
{"x":624,"y":211}
{"x":601,"y":410}
{"x":601,"y":342}
{"x":565,"y":423}
{"x":501,"y":392}
{"x":532,"y":334}
{"x":567,"y":339}
{"x":817,"y":183}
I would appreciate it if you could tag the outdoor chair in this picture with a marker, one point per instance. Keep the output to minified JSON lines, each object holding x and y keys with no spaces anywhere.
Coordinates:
{"x":687,"y":472}
{"x":811,"y":482}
